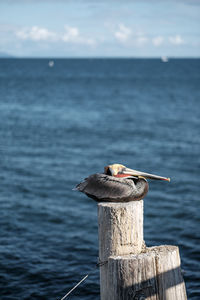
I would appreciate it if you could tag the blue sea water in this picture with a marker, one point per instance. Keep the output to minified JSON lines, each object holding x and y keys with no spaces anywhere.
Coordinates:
{"x":60,"y":124}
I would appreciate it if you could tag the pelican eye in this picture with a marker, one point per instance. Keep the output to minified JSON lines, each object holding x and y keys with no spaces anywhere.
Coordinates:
{"x":121,"y":171}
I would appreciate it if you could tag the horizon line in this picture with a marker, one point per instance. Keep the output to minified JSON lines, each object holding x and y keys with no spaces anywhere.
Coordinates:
{"x":99,"y":57}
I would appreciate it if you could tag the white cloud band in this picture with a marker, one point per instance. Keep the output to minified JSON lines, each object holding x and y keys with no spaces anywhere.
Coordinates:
{"x":176,"y":40}
{"x":70,"y":35}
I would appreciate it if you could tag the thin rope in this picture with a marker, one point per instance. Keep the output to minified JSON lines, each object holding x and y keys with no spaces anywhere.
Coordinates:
{"x":99,"y":264}
{"x":74,"y":287}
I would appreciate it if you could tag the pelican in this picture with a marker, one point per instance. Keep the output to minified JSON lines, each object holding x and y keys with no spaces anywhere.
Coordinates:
{"x":117,"y":184}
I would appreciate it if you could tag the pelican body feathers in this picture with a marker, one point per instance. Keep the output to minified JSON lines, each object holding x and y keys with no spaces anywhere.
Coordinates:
{"x":102,"y":187}
{"x":117,"y":184}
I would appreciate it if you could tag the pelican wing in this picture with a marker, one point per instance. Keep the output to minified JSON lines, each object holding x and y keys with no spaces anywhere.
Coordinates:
{"x":103,"y":187}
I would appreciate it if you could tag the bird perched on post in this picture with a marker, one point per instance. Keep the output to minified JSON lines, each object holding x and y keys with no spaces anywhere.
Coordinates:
{"x":117,"y":184}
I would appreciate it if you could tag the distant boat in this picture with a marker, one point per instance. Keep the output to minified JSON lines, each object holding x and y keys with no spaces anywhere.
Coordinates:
{"x":51,"y":63}
{"x":164,"y":59}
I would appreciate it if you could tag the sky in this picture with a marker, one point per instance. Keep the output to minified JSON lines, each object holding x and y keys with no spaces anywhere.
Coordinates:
{"x":112,"y":28}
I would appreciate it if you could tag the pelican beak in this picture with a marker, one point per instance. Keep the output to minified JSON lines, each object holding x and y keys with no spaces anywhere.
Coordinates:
{"x":139,"y":174}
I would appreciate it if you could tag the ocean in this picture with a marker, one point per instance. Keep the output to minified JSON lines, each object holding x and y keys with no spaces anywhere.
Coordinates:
{"x":60,"y":123}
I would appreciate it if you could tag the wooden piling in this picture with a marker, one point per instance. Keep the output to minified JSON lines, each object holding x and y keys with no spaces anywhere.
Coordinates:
{"x":130,"y":270}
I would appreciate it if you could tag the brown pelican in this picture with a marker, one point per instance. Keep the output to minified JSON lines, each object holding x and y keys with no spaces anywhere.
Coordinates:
{"x":117,"y":184}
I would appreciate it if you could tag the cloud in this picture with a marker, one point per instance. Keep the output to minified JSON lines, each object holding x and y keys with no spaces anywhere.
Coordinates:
{"x":70,"y":35}
{"x":157,"y":41}
{"x":176,"y":40}
{"x":141,"y":40}
{"x":35,"y":33}
{"x":123,"y":34}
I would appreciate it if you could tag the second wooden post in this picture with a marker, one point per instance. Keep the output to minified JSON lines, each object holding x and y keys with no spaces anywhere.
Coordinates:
{"x":130,"y":270}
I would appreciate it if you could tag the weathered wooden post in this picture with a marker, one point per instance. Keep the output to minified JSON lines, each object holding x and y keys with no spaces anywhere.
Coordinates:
{"x":130,"y":270}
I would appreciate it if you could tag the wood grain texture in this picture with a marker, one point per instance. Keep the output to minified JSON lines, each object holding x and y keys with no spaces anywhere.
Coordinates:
{"x":154,"y":275}
{"x":120,"y":233}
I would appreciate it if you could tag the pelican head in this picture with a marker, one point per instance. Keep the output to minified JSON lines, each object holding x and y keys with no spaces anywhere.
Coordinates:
{"x":118,"y":170}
